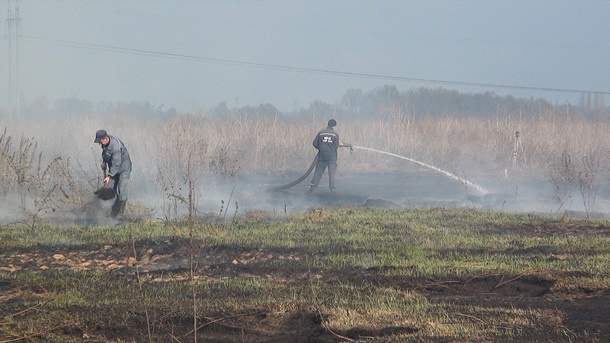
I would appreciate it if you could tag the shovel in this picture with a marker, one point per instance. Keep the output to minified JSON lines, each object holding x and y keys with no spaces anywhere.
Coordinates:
{"x":104,"y":192}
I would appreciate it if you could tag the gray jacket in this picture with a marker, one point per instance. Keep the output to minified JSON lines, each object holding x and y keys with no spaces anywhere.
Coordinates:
{"x":116,"y":156}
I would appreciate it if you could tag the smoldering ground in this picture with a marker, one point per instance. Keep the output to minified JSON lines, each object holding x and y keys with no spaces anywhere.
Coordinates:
{"x":232,"y":170}
{"x":413,"y":188}
{"x":228,"y":198}
{"x":94,"y":211}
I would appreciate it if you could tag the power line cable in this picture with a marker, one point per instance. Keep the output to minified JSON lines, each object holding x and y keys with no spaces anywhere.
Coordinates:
{"x":131,"y":51}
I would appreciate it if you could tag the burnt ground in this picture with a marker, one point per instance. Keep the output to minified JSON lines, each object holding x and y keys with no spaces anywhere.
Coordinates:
{"x":581,"y":312}
{"x":574,"y":313}
{"x":421,"y":188}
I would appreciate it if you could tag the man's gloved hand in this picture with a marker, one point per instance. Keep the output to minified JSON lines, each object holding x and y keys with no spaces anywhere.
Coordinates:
{"x":103,"y":166}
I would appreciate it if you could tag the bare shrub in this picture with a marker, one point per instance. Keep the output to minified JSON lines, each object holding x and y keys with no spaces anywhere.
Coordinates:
{"x":6,"y":160}
{"x":563,"y":176}
{"x":583,"y":175}
{"x":45,"y":190}
{"x":43,"y":186}
{"x":54,"y":189}
{"x":589,"y":179}
{"x":224,"y":162}
{"x":17,"y":162}
{"x":180,"y":166}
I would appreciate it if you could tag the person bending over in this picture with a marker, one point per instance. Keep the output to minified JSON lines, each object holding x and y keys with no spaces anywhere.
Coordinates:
{"x":117,"y":168}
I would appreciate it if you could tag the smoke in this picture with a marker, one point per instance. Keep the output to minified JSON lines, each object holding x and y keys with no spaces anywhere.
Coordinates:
{"x":247,"y":167}
{"x":96,"y":212}
{"x":225,"y":199}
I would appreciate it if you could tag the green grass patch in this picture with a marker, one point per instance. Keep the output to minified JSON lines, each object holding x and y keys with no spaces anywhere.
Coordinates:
{"x":421,"y":274}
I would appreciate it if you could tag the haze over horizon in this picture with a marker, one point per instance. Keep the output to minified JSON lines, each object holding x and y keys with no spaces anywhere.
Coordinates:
{"x":186,"y":54}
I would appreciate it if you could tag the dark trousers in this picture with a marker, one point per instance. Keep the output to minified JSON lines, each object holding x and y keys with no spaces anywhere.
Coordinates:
{"x":320,"y":167}
{"x":120,"y":184}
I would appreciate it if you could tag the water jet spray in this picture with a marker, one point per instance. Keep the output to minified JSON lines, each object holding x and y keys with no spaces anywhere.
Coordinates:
{"x":478,"y":188}
{"x":482,"y":191}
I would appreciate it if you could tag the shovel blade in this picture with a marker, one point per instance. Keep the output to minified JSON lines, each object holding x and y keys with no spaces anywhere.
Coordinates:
{"x":105,"y":193}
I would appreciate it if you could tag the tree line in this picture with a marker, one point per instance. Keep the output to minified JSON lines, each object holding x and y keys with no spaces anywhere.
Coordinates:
{"x":380,"y":103}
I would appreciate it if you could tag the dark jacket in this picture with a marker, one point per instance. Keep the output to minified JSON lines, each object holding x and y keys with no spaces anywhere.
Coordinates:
{"x":116,"y":156}
{"x":327,"y":143}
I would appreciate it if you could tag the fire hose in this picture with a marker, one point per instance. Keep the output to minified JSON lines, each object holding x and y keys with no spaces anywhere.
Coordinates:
{"x":300,"y":179}
{"x":297,"y":181}
{"x":463,"y":181}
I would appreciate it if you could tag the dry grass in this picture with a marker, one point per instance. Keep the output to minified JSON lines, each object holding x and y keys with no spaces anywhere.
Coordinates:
{"x":257,"y":144}
{"x":261,"y":144}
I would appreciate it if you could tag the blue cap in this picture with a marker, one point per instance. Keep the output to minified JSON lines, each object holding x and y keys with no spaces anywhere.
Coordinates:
{"x":99,"y":135}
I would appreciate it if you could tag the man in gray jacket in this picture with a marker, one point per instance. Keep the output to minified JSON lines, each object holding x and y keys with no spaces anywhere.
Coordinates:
{"x":117,"y":168}
{"x":327,"y":142}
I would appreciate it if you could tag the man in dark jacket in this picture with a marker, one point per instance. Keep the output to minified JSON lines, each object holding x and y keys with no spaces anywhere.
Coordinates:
{"x":327,"y":142}
{"x":117,"y":168}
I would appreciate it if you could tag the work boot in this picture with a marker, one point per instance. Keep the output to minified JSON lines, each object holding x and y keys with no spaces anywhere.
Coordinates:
{"x":122,"y":207}
{"x":114,"y":211}
{"x":118,"y":208}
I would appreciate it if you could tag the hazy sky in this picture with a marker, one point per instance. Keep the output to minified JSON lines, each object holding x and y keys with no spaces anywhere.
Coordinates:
{"x":200,"y":53}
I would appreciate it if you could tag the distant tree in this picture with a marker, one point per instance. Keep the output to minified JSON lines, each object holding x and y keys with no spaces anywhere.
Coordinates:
{"x":220,"y":111}
{"x":103,"y":107}
{"x":593,"y":105}
{"x":320,"y":111}
{"x":381,"y":98}
{"x":71,"y":107}
{"x":599,"y":105}
{"x":38,"y":108}
{"x":353,"y":102}
{"x":263,"y":110}
{"x":136,"y":109}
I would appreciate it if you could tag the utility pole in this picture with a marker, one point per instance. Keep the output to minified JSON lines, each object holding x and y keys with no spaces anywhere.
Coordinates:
{"x":13,"y":24}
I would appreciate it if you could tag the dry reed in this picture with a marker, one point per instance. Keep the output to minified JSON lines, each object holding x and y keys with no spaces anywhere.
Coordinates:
{"x":260,"y":144}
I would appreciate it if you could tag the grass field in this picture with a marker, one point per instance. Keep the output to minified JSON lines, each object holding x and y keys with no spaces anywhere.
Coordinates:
{"x":441,"y":266}
{"x":340,"y":275}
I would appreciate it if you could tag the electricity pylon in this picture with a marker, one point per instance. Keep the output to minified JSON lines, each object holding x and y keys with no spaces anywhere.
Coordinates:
{"x":13,"y":25}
